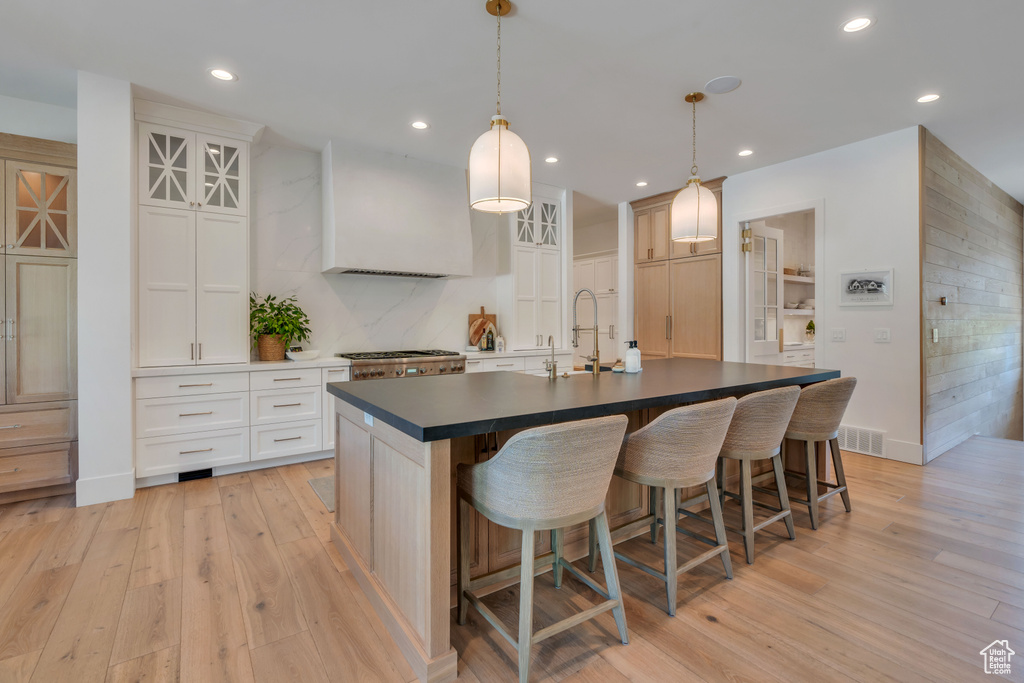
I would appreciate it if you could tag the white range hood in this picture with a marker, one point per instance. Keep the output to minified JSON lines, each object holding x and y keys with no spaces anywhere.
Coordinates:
{"x":385,"y":214}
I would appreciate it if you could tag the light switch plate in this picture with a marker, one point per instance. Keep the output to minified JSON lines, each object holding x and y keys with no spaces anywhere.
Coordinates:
{"x":882,"y":335}
{"x":838,"y":334}
{"x":935,"y":334}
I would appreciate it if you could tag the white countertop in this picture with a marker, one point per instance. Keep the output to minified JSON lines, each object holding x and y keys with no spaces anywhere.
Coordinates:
{"x":325,"y":362}
{"x":803,"y":346}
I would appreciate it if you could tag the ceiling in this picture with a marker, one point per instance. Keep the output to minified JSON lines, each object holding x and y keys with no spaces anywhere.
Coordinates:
{"x":598,"y":84}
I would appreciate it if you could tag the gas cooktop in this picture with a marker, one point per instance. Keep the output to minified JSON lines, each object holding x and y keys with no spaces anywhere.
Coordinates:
{"x":387,"y":355}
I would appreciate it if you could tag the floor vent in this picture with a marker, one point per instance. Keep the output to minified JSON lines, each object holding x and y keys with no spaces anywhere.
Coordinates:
{"x":861,"y":440}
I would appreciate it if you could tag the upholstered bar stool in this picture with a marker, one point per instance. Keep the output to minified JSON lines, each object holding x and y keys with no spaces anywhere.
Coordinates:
{"x":543,"y":479}
{"x":677,"y":450}
{"x":756,"y":433}
{"x":816,"y":419}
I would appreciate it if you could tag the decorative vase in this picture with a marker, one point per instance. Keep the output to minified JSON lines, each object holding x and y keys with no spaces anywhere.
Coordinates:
{"x":809,"y":336}
{"x":270,"y":347}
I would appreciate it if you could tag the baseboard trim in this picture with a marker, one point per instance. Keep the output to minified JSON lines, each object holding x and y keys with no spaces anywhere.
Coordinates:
{"x":95,"y":490}
{"x":162,"y":479}
{"x":904,"y":451}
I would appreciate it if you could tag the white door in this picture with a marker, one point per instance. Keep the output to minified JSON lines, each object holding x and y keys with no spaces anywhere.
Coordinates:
{"x":607,"y":336}
{"x":525,"y":264}
{"x":221,"y":180}
{"x":549,"y":287}
{"x":606,"y":277}
{"x":166,"y":167}
{"x":222,"y":285}
{"x":764,"y":296}
{"x":167,"y":286}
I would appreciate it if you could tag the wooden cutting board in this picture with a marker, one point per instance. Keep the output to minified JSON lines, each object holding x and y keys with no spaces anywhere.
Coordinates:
{"x":478,"y":325}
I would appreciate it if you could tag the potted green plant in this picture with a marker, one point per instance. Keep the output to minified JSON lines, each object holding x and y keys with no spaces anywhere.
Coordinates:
{"x":275,"y":323}
{"x":809,"y":330}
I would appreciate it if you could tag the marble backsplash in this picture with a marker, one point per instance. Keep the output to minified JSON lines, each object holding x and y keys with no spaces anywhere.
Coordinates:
{"x":353,"y":312}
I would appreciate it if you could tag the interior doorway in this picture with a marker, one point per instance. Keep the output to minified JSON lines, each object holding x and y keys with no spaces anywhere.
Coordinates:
{"x":781,"y":292}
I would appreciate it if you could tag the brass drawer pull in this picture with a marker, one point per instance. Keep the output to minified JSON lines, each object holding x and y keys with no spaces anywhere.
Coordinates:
{"x":11,"y":427}
{"x":506,"y":365}
{"x":290,"y":438}
{"x":287,"y":379}
{"x":186,"y":386}
{"x":286,"y":405}
{"x":201,"y":450}
{"x":208,"y":412}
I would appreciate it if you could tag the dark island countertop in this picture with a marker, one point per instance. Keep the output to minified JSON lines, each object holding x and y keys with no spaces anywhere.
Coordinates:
{"x":445,"y":407}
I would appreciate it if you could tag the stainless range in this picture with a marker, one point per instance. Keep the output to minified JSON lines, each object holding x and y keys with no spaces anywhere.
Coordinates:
{"x":391,"y":364}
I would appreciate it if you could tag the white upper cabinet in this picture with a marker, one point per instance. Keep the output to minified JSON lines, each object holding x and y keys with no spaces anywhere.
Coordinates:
{"x":539,"y":225}
{"x":535,"y":267}
{"x":222,"y":183}
{"x":606,"y":274}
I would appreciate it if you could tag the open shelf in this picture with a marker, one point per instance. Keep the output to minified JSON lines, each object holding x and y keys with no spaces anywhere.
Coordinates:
{"x":798,"y":279}
{"x":798,"y":311}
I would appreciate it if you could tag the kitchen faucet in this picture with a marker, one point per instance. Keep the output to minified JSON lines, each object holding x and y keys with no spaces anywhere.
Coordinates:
{"x":596,"y":358}
{"x":551,"y":365}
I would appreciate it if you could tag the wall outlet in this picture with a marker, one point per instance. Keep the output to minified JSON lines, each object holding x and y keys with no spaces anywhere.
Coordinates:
{"x":838,"y":334}
{"x":935,"y":334}
{"x":882,"y":335}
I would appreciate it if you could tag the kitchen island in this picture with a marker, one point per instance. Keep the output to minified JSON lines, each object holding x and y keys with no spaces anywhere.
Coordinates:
{"x":398,"y":443}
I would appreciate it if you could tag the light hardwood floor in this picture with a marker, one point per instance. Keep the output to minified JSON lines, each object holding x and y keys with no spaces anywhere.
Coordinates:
{"x":234,"y":579}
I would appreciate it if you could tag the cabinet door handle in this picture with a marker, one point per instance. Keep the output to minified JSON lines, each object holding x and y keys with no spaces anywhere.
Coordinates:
{"x":505,"y":365}
{"x":287,"y":379}
{"x":208,"y":412}
{"x":200,"y":350}
{"x":186,"y":386}
{"x":191,"y":203}
{"x":200,"y":450}
{"x":11,"y":427}
{"x":611,"y":331}
{"x":286,"y":405}
{"x":290,"y":438}
{"x":192,"y":351}
{"x":666,"y":327}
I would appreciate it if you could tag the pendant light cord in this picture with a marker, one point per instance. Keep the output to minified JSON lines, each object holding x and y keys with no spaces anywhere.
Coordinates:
{"x":693,"y":169}
{"x":499,"y":59}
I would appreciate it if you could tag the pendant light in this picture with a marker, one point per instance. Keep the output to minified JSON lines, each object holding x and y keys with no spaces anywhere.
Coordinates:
{"x":695,"y":209}
{"x":499,"y":162}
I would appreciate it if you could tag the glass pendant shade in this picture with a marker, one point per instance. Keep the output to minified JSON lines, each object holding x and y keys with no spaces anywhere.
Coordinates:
{"x":499,"y":171}
{"x":694,"y":213}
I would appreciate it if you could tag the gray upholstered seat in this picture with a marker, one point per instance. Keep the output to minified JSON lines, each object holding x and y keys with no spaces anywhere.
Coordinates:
{"x":546,"y":478}
{"x":756,"y":433}
{"x":817,"y":417}
{"x":678,"y":449}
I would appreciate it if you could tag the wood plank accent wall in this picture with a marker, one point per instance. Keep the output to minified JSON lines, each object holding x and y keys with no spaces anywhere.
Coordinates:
{"x":972,"y":237}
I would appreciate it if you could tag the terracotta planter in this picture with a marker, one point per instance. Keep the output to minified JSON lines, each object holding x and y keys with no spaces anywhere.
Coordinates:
{"x":270,"y":347}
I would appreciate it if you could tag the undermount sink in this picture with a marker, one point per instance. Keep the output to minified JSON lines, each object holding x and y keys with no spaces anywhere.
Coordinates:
{"x":544,"y":373}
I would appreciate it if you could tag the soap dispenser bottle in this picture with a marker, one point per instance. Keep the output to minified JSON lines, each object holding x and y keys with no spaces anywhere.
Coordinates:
{"x":632,"y":358}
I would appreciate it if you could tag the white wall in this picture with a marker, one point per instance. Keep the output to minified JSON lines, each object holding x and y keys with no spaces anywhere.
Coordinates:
{"x":105,"y":186}
{"x":38,"y":119}
{"x":599,"y":237}
{"x":868,"y":193}
{"x":354,"y":312}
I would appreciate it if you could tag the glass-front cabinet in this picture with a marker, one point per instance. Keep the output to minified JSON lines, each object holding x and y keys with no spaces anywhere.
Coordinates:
{"x":40,"y":202}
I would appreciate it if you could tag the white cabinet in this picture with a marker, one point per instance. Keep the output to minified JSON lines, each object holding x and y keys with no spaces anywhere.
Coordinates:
{"x":182,"y":169}
{"x":599,"y":275}
{"x":193,"y":288}
{"x":331,"y":375}
{"x":193,"y":238}
{"x":800,"y":358}
{"x":536,"y":275}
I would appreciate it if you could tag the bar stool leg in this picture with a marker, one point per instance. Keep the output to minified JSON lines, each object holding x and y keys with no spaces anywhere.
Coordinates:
{"x":720,"y":471}
{"x":810,"y":449}
{"x":526,"y":606}
{"x":653,"y":492}
{"x":716,"y":517}
{"x":837,"y":460}
{"x":463,"y":513}
{"x":556,"y":548}
{"x":780,"y":484}
{"x":611,"y":574}
{"x":671,"y":580}
{"x":747,"y":500}
{"x":592,"y":538}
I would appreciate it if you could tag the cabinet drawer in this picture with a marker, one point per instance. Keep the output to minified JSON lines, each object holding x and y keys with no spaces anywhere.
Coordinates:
{"x":797,"y":356}
{"x":284,"y":379}
{"x":43,"y":423}
{"x":191,"y":385}
{"x":333,"y":375}
{"x":504,"y":364}
{"x":475,"y":365}
{"x":284,"y":405}
{"x":183,"y":453}
{"x":275,"y":441}
{"x":166,"y":416}
{"x":35,"y":466}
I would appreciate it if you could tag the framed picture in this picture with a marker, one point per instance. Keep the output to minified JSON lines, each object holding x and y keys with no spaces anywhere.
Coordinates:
{"x":866,"y":288}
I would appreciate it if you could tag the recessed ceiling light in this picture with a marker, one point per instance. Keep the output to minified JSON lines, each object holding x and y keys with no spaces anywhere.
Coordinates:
{"x":420,"y":125}
{"x":857,"y":24}
{"x":223,"y":75}
{"x":552,"y":160}
{"x":746,"y":152}
{"x":642,"y":183}
{"x":927,"y":98}
{"x":722,"y":85}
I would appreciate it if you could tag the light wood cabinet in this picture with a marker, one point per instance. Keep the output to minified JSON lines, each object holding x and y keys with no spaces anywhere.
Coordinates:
{"x":651,"y":232}
{"x":41,"y":213}
{"x":696,"y":330}
{"x":38,"y":274}
{"x":652,"y":310}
